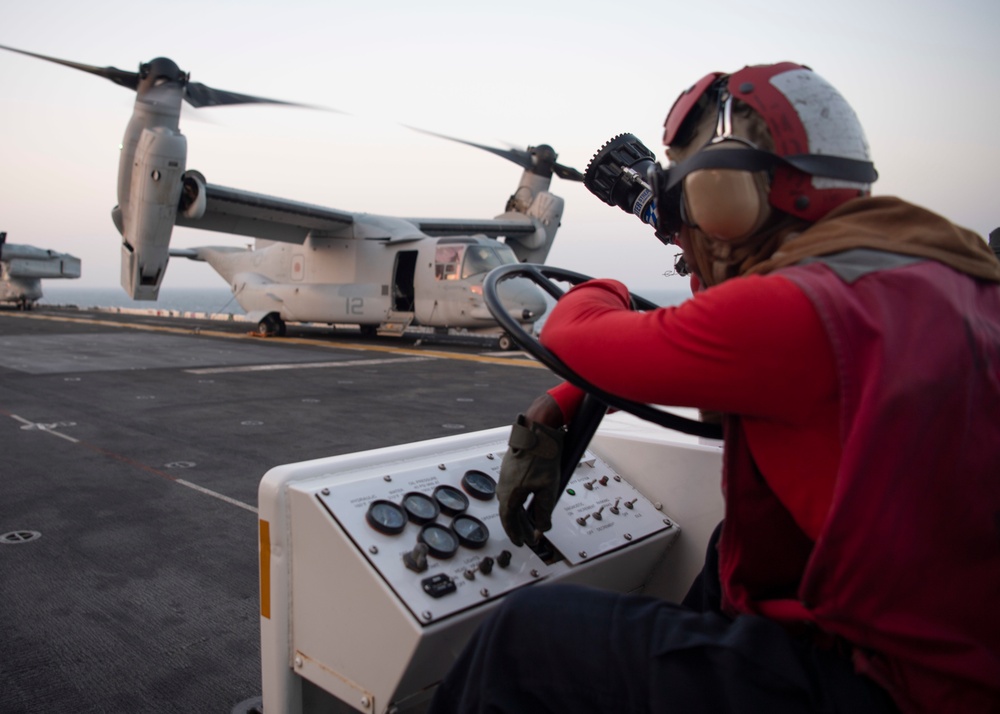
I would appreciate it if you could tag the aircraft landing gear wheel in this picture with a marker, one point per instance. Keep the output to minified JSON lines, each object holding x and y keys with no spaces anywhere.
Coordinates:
{"x":271,"y":326}
{"x":369,"y":330}
{"x":505,"y":343}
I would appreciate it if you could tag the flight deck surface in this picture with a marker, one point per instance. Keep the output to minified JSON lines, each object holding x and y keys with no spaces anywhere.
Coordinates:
{"x":131,"y":448}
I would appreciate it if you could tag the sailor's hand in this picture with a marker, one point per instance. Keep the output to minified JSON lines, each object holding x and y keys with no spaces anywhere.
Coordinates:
{"x":530,"y":467}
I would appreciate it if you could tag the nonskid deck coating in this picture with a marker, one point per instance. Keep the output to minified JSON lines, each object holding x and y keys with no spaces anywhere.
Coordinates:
{"x":135,"y":447}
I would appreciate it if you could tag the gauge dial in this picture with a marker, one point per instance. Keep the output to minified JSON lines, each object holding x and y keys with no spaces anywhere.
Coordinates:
{"x":420,"y":508}
{"x":440,"y":540}
{"x":451,"y":500}
{"x":479,"y":484}
{"x":386,"y":517}
{"x":471,"y":532}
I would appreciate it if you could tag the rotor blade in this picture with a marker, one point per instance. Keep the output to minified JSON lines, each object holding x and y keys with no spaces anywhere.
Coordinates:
{"x":567,"y":173}
{"x":196,"y":93}
{"x":201,"y":95}
{"x":524,"y":159}
{"x":118,"y":76}
{"x":518,"y":156}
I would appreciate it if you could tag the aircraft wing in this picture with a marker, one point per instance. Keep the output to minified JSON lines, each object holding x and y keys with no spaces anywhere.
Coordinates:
{"x":230,"y":210}
{"x":494,"y":228}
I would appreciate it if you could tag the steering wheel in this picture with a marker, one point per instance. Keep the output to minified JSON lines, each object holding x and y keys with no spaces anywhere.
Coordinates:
{"x":596,"y":401}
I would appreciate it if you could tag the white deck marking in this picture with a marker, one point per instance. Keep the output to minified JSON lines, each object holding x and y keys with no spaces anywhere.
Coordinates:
{"x":214,"y":494}
{"x":306,"y":365}
{"x":43,"y":427}
{"x":200,"y":489}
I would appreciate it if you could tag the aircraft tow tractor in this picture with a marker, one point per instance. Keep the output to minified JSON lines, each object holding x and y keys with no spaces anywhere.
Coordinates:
{"x":376,"y":567}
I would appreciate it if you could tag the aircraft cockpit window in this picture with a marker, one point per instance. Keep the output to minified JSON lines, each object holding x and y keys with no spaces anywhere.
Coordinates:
{"x":460,"y":261}
{"x":505,"y":254}
{"x":478,"y":259}
{"x":447,"y":260}
{"x":483,"y":258}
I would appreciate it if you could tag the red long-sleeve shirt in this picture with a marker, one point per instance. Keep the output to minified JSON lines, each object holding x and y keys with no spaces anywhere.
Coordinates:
{"x":753,"y":347}
{"x":871,"y":367}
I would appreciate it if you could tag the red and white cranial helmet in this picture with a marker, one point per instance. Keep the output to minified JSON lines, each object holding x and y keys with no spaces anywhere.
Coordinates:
{"x":823,"y":155}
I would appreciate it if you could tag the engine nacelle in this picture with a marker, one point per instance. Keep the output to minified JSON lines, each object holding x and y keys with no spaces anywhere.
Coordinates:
{"x":193,"y":195}
{"x":547,"y":210}
{"x":148,"y":220}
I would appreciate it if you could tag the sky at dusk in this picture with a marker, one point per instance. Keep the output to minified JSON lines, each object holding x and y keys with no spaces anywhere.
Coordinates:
{"x":920,"y":75}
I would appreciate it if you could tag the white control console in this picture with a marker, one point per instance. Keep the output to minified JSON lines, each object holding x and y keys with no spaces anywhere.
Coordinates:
{"x":433,"y":532}
{"x":376,"y":567}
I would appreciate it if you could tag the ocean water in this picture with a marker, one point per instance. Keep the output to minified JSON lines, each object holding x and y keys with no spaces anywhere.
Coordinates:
{"x":206,"y":300}
{"x":220,"y":301}
{"x":665,"y":297}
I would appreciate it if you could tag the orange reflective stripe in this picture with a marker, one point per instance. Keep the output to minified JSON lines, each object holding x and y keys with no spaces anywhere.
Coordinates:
{"x":265,"y":569}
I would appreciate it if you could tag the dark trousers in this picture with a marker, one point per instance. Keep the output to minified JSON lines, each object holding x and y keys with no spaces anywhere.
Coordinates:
{"x":572,"y":649}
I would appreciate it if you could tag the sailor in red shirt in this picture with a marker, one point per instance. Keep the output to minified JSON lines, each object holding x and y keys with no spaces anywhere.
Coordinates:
{"x":852,"y":345}
{"x":753,"y":347}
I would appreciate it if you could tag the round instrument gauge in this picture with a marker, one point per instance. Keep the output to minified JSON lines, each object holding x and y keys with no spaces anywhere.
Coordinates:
{"x":479,"y":484}
{"x":451,"y":500}
{"x":471,"y":532}
{"x":420,"y":508}
{"x":386,"y":517}
{"x":440,"y":540}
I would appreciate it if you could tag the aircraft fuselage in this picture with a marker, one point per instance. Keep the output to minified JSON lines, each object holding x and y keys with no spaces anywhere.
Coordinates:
{"x":22,"y":268}
{"x":434,"y":282}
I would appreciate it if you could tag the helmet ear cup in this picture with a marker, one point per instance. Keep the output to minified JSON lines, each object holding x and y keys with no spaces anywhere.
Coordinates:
{"x":727,"y":204}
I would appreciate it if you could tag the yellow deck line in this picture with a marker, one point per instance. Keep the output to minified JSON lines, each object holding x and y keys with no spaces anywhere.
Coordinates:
{"x":512,"y":361}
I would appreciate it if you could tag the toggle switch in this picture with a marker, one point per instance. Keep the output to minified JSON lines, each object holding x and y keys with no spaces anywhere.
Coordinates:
{"x":416,"y":559}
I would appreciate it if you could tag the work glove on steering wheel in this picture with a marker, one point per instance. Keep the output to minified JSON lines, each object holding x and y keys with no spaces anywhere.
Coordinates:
{"x":531,"y":466}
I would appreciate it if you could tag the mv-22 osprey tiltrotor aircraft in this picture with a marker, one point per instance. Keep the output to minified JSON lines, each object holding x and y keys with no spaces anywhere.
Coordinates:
{"x":22,"y":268}
{"x":310,"y":263}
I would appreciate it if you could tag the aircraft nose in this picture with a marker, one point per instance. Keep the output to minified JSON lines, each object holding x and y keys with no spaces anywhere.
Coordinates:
{"x":522,"y":299}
